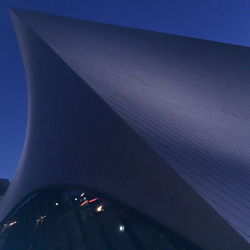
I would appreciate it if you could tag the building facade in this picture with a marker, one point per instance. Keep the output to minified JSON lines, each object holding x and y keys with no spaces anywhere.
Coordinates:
{"x":135,"y":140}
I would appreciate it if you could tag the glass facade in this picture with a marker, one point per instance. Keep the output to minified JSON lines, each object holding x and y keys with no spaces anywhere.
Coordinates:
{"x":75,"y":220}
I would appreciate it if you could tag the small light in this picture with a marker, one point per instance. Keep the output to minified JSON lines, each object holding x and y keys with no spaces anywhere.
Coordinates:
{"x":99,"y":208}
{"x":121,"y":228}
{"x":75,"y":199}
{"x":83,"y":203}
{"x":93,"y":200}
{"x":84,"y":198}
{"x":57,"y":204}
{"x":41,"y":219}
{"x":6,"y":226}
{"x":82,"y":194}
{"x":12,"y":223}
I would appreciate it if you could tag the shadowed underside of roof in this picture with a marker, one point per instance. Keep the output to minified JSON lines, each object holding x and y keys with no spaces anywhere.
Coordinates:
{"x":188,"y":99}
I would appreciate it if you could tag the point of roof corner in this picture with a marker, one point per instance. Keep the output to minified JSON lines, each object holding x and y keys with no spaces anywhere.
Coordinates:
{"x":21,"y":13}
{"x":12,"y":11}
{"x":16,"y":10}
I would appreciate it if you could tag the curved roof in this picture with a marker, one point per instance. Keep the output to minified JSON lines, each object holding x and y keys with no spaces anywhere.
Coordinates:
{"x":176,"y":109}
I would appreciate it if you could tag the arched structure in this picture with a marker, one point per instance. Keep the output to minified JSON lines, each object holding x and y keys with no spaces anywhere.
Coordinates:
{"x":156,"y":122}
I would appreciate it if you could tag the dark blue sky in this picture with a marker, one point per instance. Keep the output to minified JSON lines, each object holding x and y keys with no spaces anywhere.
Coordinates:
{"x":220,"y":20}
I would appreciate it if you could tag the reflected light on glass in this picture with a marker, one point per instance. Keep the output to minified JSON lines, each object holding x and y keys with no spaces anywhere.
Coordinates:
{"x":85,"y":202}
{"x":93,"y":200}
{"x":99,"y":208}
{"x":121,"y":228}
{"x":8,"y":225}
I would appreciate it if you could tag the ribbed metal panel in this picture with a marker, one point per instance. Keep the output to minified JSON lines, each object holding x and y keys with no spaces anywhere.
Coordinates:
{"x":188,"y":98}
{"x":152,"y":120}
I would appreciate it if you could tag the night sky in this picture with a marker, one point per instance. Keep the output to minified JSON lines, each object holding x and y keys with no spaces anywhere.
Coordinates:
{"x":219,"y":20}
